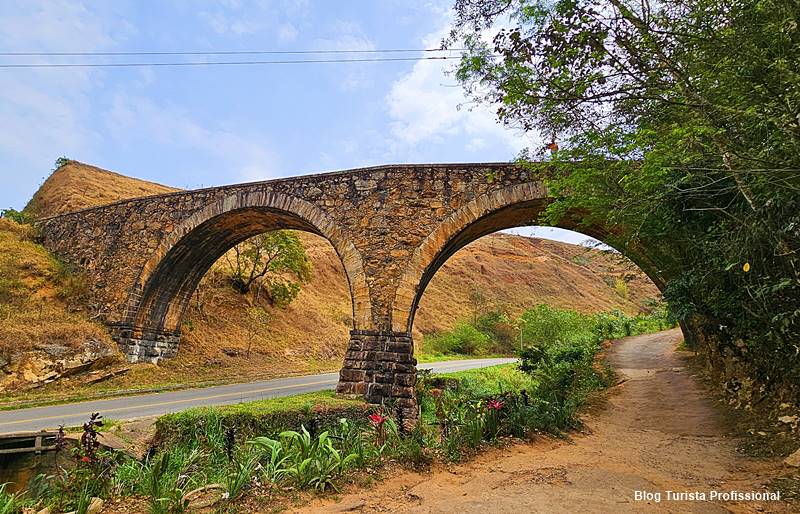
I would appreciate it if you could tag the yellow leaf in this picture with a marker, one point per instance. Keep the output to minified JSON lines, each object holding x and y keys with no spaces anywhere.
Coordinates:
{"x":746,"y":267}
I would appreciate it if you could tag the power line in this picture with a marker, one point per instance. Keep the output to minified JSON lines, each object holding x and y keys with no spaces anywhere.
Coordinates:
{"x":220,"y":63}
{"x":224,"y":52}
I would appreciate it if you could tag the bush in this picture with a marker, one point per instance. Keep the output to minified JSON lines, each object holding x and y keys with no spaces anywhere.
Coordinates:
{"x":464,"y":339}
{"x":20,"y":217}
{"x":493,"y":332}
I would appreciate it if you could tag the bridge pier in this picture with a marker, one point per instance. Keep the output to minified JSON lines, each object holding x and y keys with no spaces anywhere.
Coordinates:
{"x":380,"y":366}
{"x":146,"y":346}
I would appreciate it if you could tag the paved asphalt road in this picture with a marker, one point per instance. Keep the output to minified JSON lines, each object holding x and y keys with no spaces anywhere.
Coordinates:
{"x":155,"y":404}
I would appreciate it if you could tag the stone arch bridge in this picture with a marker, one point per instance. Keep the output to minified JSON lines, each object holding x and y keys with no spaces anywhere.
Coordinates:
{"x":391,"y":226}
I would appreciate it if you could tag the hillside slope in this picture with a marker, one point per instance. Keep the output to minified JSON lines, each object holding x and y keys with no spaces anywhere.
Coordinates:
{"x":512,"y":272}
{"x":76,"y":186}
{"x":44,"y":333}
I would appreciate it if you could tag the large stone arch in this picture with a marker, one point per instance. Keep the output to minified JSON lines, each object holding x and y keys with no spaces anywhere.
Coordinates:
{"x":514,"y":206}
{"x":151,"y":325}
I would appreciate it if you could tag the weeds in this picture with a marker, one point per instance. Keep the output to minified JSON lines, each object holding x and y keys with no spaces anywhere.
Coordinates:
{"x":11,"y":503}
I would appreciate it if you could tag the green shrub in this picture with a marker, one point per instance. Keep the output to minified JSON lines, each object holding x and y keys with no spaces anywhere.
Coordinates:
{"x":21,"y":217}
{"x":464,"y":339}
{"x":308,"y":462}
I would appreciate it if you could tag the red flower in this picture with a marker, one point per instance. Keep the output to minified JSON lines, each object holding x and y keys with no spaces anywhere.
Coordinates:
{"x":495,"y":404}
{"x":377,"y":419}
{"x":86,"y":459}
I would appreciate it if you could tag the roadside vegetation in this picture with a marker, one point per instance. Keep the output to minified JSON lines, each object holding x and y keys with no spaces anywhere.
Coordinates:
{"x":495,"y":332}
{"x":242,"y":455}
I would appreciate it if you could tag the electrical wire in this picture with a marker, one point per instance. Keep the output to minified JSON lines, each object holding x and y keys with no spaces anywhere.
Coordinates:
{"x":225,"y":52}
{"x":220,"y":63}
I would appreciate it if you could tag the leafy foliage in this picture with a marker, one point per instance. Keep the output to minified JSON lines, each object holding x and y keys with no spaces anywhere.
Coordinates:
{"x":20,"y":217}
{"x":274,"y":263}
{"x":11,"y":503}
{"x":308,"y":462}
{"x":62,"y":161}
{"x":494,"y":332}
{"x":675,"y":125}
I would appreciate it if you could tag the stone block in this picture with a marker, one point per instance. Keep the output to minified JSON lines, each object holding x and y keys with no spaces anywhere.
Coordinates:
{"x":352,"y":375}
{"x":405,"y":379}
{"x":399,"y":391}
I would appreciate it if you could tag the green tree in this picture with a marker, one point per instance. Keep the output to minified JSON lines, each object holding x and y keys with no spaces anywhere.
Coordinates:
{"x":273,"y":263}
{"x":20,"y":217}
{"x":677,"y":124}
{"x":61,"y":161}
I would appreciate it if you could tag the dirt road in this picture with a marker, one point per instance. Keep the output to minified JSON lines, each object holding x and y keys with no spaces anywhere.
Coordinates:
{"x":659,"y":432}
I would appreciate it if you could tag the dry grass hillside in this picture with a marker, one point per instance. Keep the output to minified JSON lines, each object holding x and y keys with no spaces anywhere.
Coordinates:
{"x":76,"y":185}
{"x":311,"y":334}
{"x":44,"y":333}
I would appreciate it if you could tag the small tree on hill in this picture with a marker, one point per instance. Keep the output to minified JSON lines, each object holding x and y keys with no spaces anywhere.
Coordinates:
{"x":62,"y":161}
{"x":274,"y":263}
{"x":20,"y":217}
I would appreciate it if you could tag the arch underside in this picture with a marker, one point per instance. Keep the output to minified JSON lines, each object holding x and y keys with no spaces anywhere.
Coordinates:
{"x":442,"y":245}
{"x":169,"y":289}
{"x":150,"y":329}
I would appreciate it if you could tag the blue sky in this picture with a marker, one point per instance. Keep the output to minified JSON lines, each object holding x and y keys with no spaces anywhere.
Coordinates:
{"x":194,"y":127}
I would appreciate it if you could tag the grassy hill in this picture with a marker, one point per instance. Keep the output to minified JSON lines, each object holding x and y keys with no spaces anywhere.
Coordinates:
{"x":76,"y":186}
{"x":311,"y":334}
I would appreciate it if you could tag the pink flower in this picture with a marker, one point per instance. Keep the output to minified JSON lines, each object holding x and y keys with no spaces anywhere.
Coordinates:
{"x":495,"y":404}
{"x":377,"y":419}
{"x":86,"y":459}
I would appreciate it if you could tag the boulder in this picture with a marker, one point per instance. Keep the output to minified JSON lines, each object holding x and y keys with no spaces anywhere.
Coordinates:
{"x":793,"y":460}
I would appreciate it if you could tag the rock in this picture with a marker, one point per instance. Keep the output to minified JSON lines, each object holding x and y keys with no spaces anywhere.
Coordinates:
{"x":95,"y":506}
{"x":789,"y":420}
{"x":313,"y":192}
{"x":350,"y":507}
{"x":203,"y":497}
{"x":793,"y":460}
{"x":48,"y":363}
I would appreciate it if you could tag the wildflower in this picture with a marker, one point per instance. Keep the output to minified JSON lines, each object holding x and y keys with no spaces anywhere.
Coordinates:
{"x":495,"y":404}
{"x":86,"y":459}
{"x":377,"y":419}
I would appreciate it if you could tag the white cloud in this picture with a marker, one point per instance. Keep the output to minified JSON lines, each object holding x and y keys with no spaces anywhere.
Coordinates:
{"x":239,"y":157}
{"x":428,"y":105}
{"x":225,"y":24}
{"x":56,"y":25}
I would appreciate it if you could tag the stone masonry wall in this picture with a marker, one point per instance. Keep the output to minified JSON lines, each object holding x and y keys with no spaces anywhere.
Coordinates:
{"x":386,"y":212}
